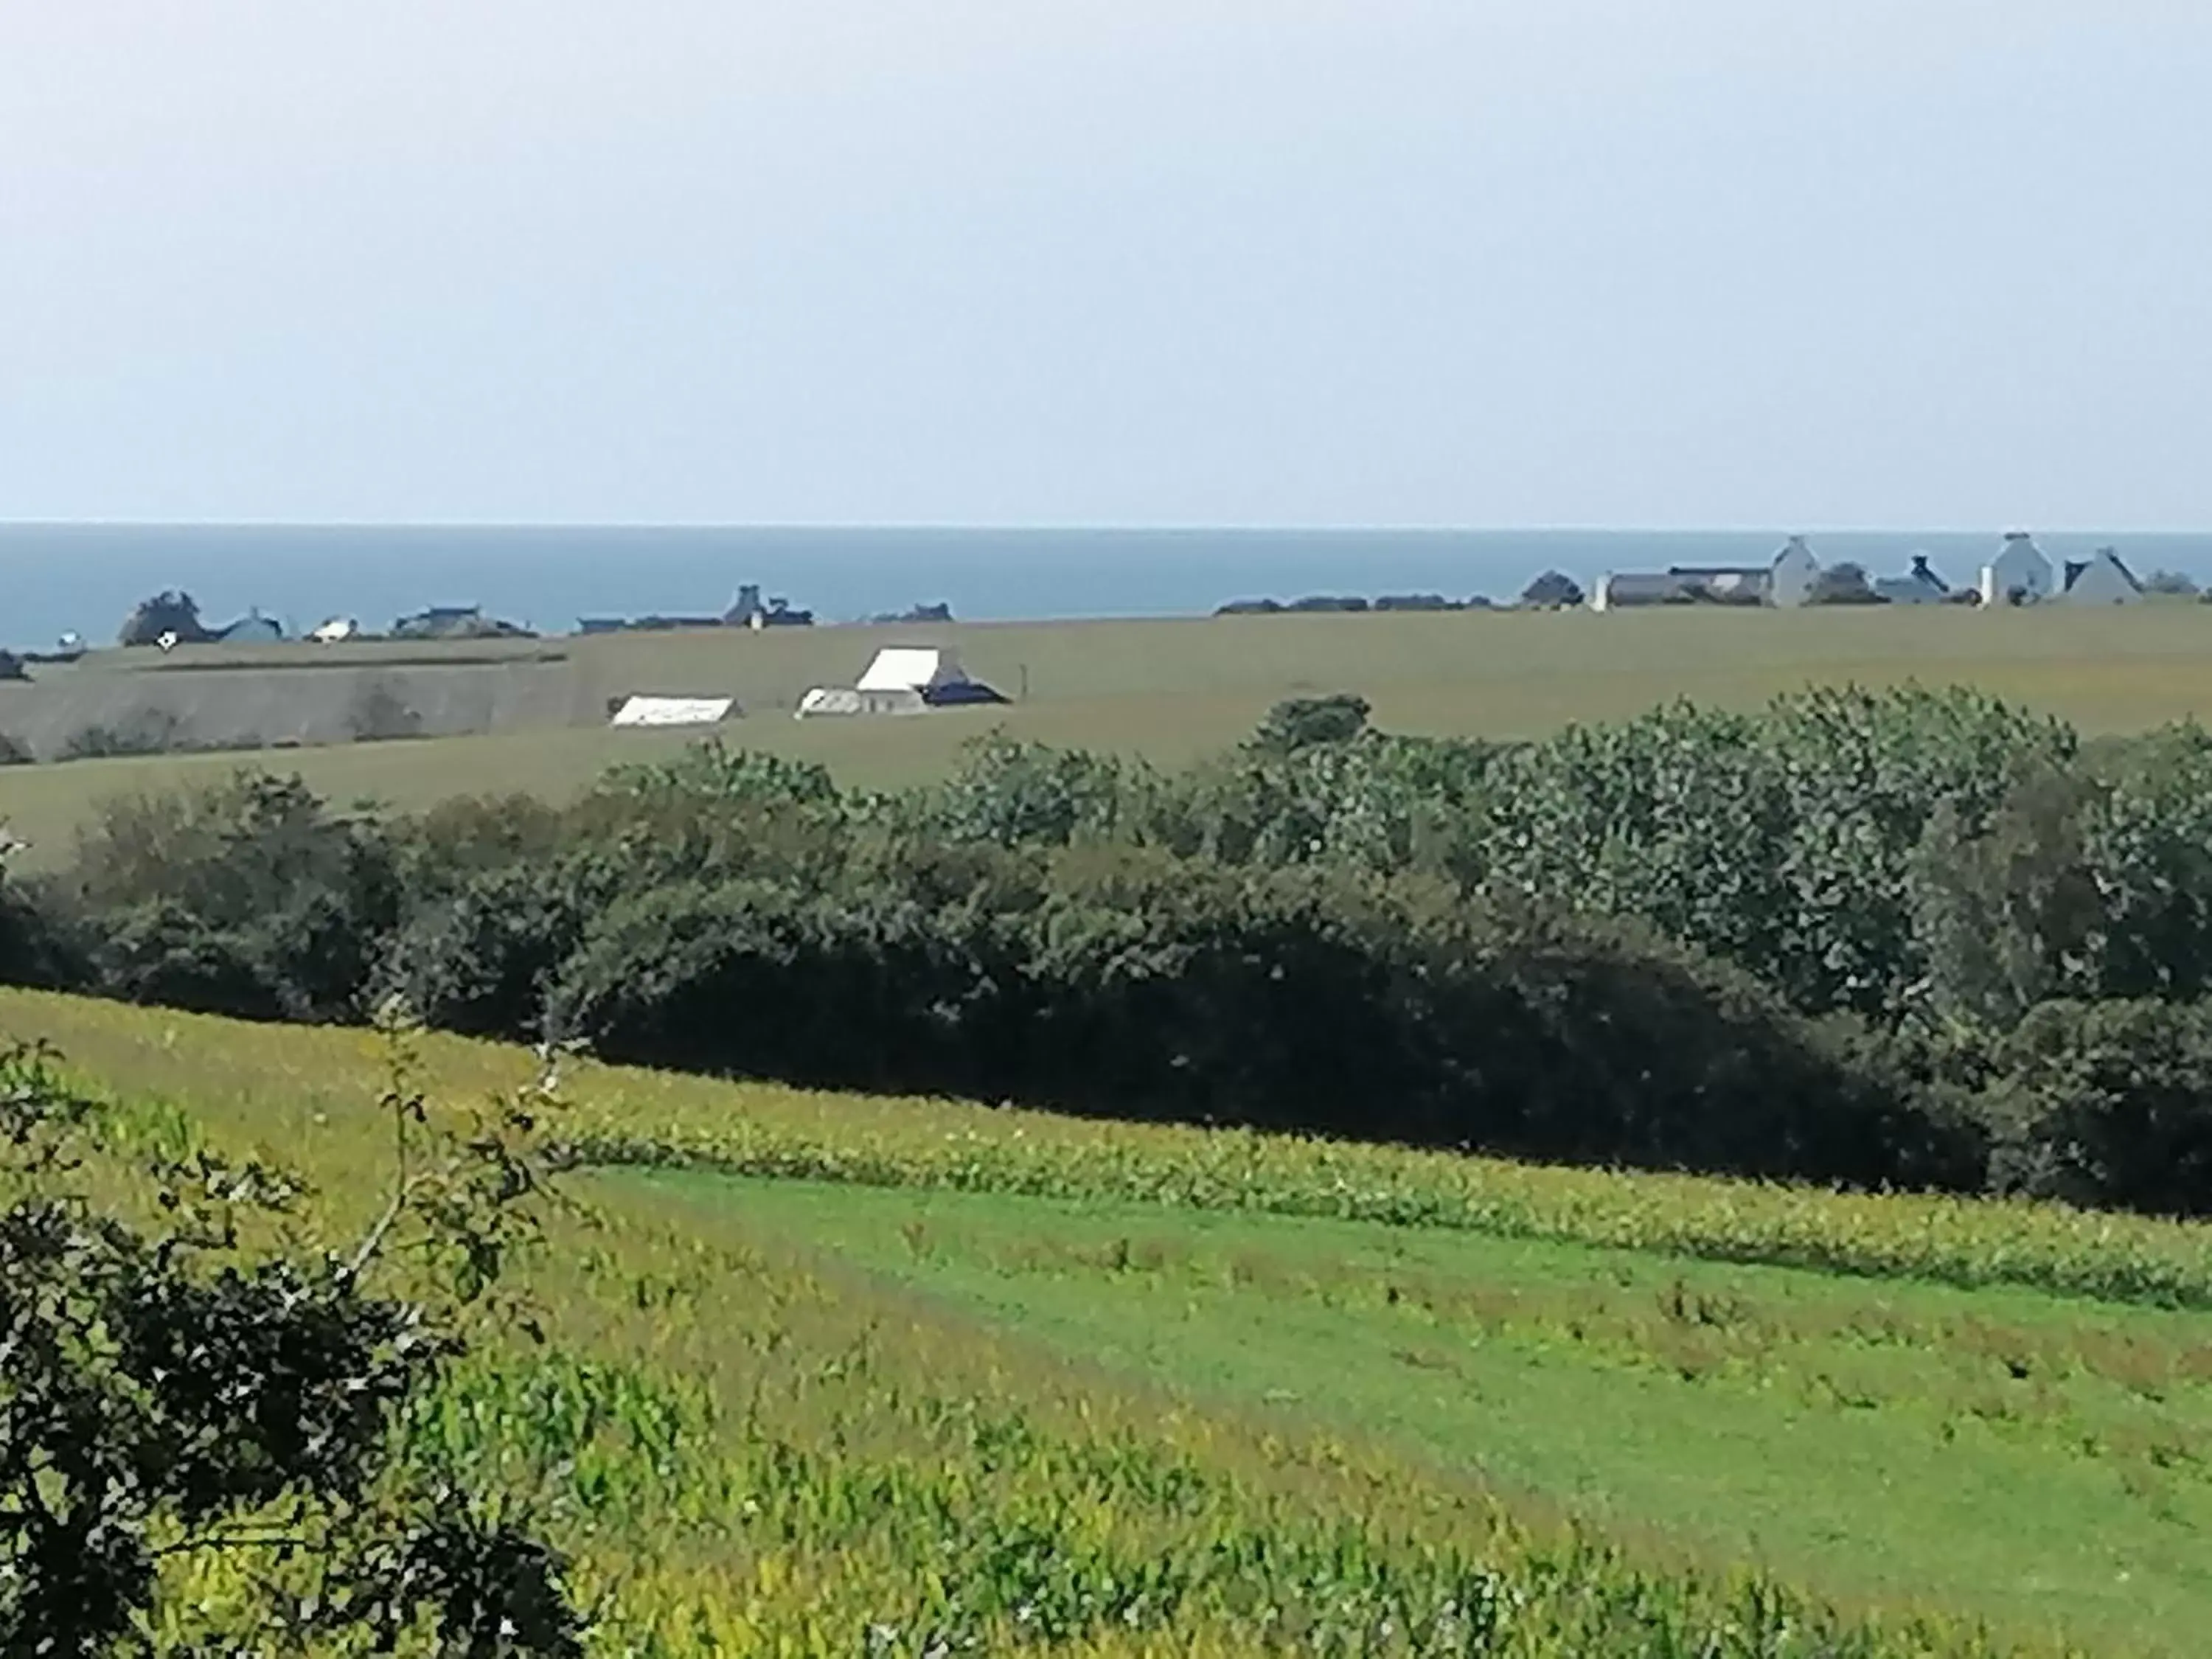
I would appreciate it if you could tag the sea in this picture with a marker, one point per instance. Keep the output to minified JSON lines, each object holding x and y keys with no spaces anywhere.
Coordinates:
{"x":84,"y":579}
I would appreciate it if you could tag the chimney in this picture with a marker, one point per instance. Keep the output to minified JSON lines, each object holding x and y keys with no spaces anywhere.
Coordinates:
{"x":1920,"y":565}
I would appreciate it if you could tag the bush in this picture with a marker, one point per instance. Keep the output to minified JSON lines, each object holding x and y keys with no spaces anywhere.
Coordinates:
{"x":378,"y":715}
{"x":170,"y":1391}
{"x":1554,"y":590}
{"x":2107,"y":1104}
{"x":171,"y":613}
{"x":247,"y":898}
{"x":1299,"y":722}
{"x":1793,"y":943}
{"x":152,"y":732}
{"x":1145,"y":986}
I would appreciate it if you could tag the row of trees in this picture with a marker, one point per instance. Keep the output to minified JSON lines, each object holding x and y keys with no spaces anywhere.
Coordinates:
{"x":1909,"y":937}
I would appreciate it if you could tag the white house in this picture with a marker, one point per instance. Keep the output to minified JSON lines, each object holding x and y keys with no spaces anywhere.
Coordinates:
{"x":2019,"y":575}
{"x":1791,"y":576}
{"x":2100,"y":578}
{"x":1919,"y":585}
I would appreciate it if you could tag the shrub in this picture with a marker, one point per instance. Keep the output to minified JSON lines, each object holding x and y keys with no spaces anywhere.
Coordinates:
{"x":2108,"y":1103}
{"x":151,"y":731}
{"x":246,"y":897}
{"x":169,"y":1392}
{"x":1554,"y":590}
{"x":1299,"y":722}
{"x":378,"y":715}
{"x":165,"y":613}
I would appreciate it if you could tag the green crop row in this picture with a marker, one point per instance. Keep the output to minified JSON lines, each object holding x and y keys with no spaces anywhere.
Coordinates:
{"x":244,"y":1072}
{"x":1965,"y":1242}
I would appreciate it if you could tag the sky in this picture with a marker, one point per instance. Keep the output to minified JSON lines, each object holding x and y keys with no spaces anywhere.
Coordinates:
{"x":1501,"y":263}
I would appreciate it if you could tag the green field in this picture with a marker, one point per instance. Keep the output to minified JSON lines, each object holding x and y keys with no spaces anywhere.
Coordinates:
{"x":1168,"y":690}
{"x":824,"y":1365}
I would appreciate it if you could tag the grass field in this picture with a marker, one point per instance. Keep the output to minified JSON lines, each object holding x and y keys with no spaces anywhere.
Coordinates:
{"x":824,"y":1366}
{"x":1168,"y":690}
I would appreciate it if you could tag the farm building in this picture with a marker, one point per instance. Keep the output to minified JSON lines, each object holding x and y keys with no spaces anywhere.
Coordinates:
{"x":2100,"y":578}
{"x":1618,"y":589}
{"x":830,"y":699}
{"x":1919,"y":585}
{"x":2019,"y":575}
{"x":663,"y":712}
{"x":1785,"y":579}
{"x":903,"y":679}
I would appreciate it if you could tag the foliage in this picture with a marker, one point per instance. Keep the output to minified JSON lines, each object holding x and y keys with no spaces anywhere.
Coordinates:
{"x":151,"y":731}
{"x":1300,"y":722}
{"x":1843,"y":583}
{"x":14,"y":751}
{"x":2109,"y":1103}
{"x":379,"y":715}
{"x":169,"y":612}
{"x":1554,"y":590}
{"x":1860,"y":892}
{"x":174,"y":1396}
{"x":249,"y":897}
{"x":2170,"y":584}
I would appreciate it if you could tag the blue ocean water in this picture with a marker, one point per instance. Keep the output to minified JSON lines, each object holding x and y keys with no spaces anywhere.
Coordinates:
{"x":85,"y":578}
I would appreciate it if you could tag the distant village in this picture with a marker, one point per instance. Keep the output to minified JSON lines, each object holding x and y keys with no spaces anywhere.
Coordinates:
{"x":2016,"y":573}
{"x":172,"y":618}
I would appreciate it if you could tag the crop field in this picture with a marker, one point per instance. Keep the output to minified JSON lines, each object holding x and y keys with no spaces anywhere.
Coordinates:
{"x":830,"y":1375}
{"x":533,"y":715}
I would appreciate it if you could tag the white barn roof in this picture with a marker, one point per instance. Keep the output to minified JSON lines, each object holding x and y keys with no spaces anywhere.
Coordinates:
{"x":674,"y":711}
{"x":910,"y":668}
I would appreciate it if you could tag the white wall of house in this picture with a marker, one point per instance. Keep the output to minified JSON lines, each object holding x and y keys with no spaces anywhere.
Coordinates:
{"x":1795,"y":571}
{"x":2019,"y":568}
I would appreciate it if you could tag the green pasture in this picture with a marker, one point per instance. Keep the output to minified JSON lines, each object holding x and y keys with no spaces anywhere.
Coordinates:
{"x":2034,"y":1460}
{"x":1170,"y":690}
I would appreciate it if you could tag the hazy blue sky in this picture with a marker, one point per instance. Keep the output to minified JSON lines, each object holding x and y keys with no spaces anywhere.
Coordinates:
{"x":1594,"y":262}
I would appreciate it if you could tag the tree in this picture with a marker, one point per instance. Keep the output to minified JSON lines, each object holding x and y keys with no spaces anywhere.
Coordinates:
{"x":172,"y":611}
{"x":172,"y":1394}
{"x":1553,"y":591}
{"x":1299,"y":722}
{"x":2169,"y":584}
{"x":1845,"y":583}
